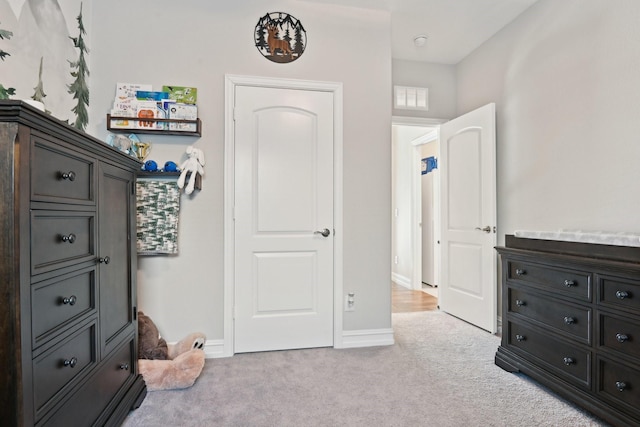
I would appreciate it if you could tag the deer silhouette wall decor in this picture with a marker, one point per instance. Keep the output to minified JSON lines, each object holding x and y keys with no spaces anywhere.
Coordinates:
{"x":275,"y":42}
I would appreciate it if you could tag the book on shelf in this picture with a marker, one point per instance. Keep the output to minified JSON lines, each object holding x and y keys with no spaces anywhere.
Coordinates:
{"x":183,"y":112}
{"x":182,"y":94}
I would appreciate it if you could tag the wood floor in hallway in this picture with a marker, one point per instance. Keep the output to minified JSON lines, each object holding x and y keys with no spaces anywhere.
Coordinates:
{"x":405,"y":300}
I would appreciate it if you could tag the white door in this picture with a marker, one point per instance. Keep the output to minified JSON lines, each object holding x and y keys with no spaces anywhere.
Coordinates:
{"x":468,"y":218}
{"x":283,"y":219}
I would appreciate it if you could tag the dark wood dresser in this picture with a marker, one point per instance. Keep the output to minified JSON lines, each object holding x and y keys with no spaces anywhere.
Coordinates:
{"x":571,"y":320}
{"x":68,"y":322}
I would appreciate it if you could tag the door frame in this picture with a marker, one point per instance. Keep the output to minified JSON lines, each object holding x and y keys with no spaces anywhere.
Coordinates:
{"x":231,"y":82}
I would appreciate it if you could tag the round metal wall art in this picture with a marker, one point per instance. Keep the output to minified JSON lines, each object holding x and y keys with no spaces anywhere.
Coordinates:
{"x":280,"y":37}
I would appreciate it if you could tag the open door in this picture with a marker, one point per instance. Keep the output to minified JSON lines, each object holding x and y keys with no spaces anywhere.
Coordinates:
{"x":468,"y":285}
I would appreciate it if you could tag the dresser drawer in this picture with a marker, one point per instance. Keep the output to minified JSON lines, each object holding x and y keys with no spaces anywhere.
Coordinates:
{"x":619,"y":384}
{"x":564,"y":359}
{"x":55,"y":368}
{"x":95,"y":395}
{"x":620,"y":334}
{"x":572,"y":319}
{"x":59,"y":301}
{"x":61,"y":238}
{"x":61,"y":175}
{"x":619,"y":292}
{"x":573,"y":283}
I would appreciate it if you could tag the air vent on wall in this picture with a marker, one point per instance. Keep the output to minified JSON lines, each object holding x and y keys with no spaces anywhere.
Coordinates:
{"x":411,"y":98}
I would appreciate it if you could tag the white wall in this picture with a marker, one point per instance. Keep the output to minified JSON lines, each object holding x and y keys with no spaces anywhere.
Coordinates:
{"x":565,"y":79}
{"x":196,"y":43}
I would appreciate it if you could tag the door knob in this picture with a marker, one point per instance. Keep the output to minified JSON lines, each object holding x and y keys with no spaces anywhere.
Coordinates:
{"x":486,"y":229}
{"x":325,"y":232}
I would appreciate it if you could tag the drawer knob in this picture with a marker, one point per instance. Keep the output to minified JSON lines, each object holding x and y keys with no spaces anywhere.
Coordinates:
{"x":569,"y":320}
{"x":69,"y":300}
{"x":569,"y":283}
{"x":124,"y":366}
{"x":520,"y":303}
{"x":622,"y":337}
{"x":71,"y":175}
{"x":622,"y":294}
{"x":568,"y":361}
{"x":104,"y":260}
{"x":71,"y":362}
{"x":520,"y":338}
{"x":520,"y":272}
{"x":621,"y":386}
{"x":69,"y":239}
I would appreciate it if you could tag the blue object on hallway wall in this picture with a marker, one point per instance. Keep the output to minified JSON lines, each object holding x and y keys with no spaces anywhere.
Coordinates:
{"x":428,"y":164}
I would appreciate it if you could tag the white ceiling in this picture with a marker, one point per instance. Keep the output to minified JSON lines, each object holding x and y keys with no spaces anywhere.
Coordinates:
{"x":454,"y":27}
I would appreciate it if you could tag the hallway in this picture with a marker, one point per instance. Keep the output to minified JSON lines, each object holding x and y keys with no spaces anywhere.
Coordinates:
{"x":405,"y":300}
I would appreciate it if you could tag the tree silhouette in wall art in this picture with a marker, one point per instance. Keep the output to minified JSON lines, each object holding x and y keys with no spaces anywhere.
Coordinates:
{"x":79,"y":87}
{"x":280,"y":37}
{"x":5,"y":93}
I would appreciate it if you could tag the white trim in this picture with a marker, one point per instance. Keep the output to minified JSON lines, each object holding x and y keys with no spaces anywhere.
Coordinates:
{"x":368,"y":338}
{"x":427,"y":137}
{"x":416,"y":121}
{"x":231,"y":81}
{"x":401,"y":280}
{"x":214,"y":349}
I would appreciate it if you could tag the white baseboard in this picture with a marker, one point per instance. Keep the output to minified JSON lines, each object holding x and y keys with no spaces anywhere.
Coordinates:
{"x":401,"y":280}
{"x":367,"y":338}
{"x":214,"y":349}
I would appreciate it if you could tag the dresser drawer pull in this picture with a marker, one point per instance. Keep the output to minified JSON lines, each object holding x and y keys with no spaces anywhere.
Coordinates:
{"x":622,"y":294}
{"x":124,"y":366}
{"x":569,"y":283}
{"x":71,"y":175}
{"x":568,"y":361}
{"x":104,"y":260}
{"x":69,"y":300}
{"x":621,"y":386}
{"x":71,"y":362}
{"x":622,"y":337}
{"x":569,"y":320}
{"x":520,"y":303}
{"x":520,"y":338}
{"x":520,"y":272}
{"x":69,"y":239}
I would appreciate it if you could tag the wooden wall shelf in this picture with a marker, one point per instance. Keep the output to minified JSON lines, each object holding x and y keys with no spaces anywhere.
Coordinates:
{"x":197,"y":122}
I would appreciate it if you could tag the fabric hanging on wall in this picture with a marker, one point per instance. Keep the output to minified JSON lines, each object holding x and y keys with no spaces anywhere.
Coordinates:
{"x":157,"y":215}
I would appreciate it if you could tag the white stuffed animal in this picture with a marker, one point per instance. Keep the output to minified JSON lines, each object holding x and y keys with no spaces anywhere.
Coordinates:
{"x":193,"y":165}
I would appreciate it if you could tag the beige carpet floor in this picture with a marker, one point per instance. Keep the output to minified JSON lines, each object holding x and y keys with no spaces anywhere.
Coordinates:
{"x":440,"y":373}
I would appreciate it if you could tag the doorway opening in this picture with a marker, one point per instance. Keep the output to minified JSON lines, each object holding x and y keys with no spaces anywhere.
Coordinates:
{"x":415,"y":205}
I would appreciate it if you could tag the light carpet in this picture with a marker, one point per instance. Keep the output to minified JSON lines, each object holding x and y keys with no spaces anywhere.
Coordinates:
{"x":440,"y":373}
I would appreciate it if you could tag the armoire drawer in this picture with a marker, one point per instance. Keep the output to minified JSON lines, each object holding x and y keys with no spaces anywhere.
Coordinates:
{"x":59,"y":301}
{"x":93,"y":397}
{"x":61,"y":238}
{"x":60,"y":175}
{"x":569,"y":318}
{"x":620,"y":334}
{"x":558,"y":355}
{"x":619,"y":292}
{"x":54,"y":369}
{"x":620,"y":384}
{"x":574,"y":283}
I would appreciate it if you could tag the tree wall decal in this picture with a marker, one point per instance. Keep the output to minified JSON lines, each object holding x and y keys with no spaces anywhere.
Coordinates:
{"x":79,"y":87}
{"x":5,"y":92}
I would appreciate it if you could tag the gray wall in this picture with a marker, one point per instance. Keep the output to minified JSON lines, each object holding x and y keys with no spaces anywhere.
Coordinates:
{"x":440,"y":79}
{"x":196,"y":43}
{"x":565,"y":78}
